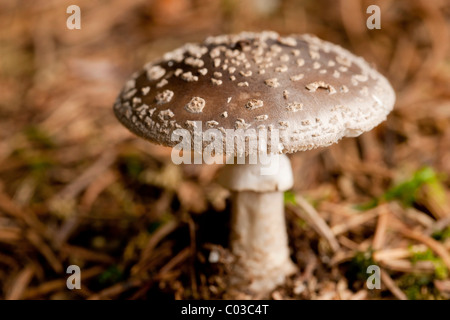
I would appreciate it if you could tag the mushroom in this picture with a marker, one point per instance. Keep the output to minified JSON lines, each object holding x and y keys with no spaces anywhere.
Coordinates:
{"x":312,"y":91}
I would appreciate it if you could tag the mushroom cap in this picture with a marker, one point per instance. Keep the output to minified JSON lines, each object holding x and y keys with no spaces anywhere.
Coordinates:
{"x":313,"y":91}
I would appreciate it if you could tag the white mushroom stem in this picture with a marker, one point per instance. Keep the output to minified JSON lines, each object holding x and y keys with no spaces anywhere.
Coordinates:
{"x":258,"y":236}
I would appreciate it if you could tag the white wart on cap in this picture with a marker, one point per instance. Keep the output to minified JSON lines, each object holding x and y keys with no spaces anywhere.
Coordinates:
{"x":314,"y":91}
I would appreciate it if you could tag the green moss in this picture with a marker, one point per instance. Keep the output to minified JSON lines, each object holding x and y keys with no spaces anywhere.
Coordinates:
{"x":133,"y":166}
{"x":440,"y":270}
{"x":111,"y":276}
{"x":406,"y":192}
{"x":359,"y":264}
{"x":441,"y":235}
{"x":417,"y":286}
{"x":153,"y":226}
{"x":289,"y":198}
{"x":38,"y":137}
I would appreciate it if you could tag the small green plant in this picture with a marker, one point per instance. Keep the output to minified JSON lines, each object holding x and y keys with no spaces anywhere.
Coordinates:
{"x":440,"y":270}
{"x":417,"y":286}
{"x":289,"y":198}
{"x":133,"y":166}
{"x":359,"y":264}
{"x":406,"y":192}
{"x":38,"y":137}
{"x":441,"y":235}
{"x":155,"y":225}
{"x":110,"y":276}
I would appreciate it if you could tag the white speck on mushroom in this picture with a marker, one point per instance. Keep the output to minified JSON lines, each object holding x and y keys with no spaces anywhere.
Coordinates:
{"x":214,"y":53}
{"x":129,"y":85}
{"x":178,"y":72}
{"x":196,"y":105}
{"x":258,"y":60}
{"x":229,"y":99}
{"x":261,"y":127}
{"x":295,"y":52}
{"x":191,"y":124}
{"x":272,"y":82}
{"x":322,"y":71}
{"x":151,"y":111}
{"x":287,"y":41}
{"x":240,"y":124}
{"x":142,"y":110}
{"x":275,"y":48}
{"x":155,"y":72}
{"x":282,"y":68}
{"x":211,"y":123}
{"x":224,"y":114}
{"x":128,"y":113}
{"x":128,"y":95}
{"x":217,"y":62}
{"x":254,"y":104}
{"x":343,"y":89}
{"x":217,"y":74}
{"x":262,"y":117}
{"x":286,"y":94}
{"x":189,"y":77}
{"x":145,"y":90}
{"x":297,"y":77}
{"x":203,"y":71}
{"x":136,"y":101}
{"x":333,"y":120}
{"x":176,"y":55}
{"x":313,"y":86}
{"x":284,"y":58}
{"x":224,"y":67}
{"x":300,"y":62}
{"x":165,"y":114}
{"x":196,"y":50}
{"x":194,"y":62}
{"x":314,"y":54}
{"x":364,"y":91}
{"x":262,"y":71}
{"x":247,"y":73}
{"x":316,"y":65}
{"x":295,"y":106}
{"x":216,"y":82}
{"x":231,"y":69}
{"x":232,"y":78}
{"x":343,"y":69}
{"x":336,"y":74}
{"x":360,"y":77}
{"x":164,"y":97}
{"x":162,"y":83}
{"x":331,"y":63}
{"x":343,"y":60}
{"x":243,"y":84}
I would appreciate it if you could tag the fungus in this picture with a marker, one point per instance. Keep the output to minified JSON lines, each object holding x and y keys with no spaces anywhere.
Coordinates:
{"x":292,"y":95}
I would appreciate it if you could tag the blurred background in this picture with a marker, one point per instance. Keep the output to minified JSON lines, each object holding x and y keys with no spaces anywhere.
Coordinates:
{"x":76,"y":188}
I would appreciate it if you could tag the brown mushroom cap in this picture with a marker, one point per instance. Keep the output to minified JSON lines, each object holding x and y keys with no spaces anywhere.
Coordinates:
{"x":314,"y":91}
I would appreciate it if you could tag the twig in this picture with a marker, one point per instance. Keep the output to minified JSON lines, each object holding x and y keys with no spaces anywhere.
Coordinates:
{"x":380,"y":232}
{"x":390,"y":284}
{"x":310,"y":214}
{"x":20,"y":283}
{"x":355,"y":221}
{"x":159,"y":234}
